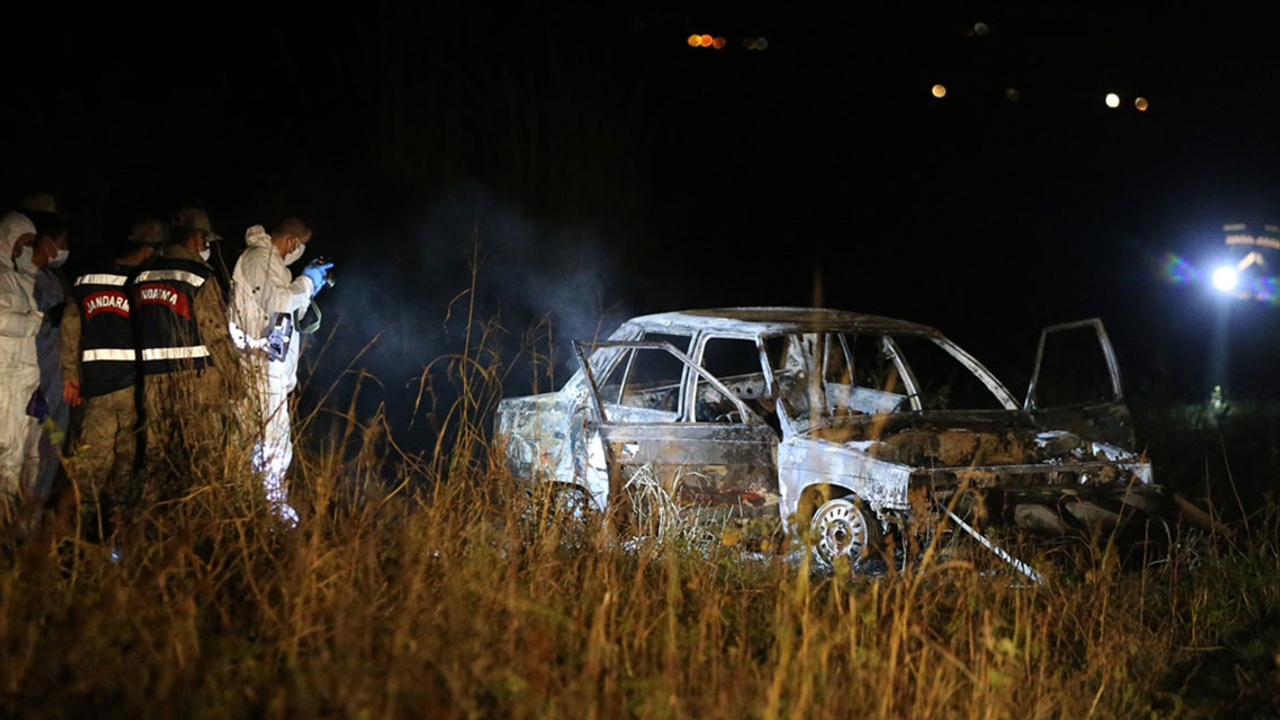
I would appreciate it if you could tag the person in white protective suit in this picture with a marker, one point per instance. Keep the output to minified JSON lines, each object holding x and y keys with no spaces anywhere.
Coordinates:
{"x":20,"y":320}
{"x":51,"y":250}
{"x":266,"y":304}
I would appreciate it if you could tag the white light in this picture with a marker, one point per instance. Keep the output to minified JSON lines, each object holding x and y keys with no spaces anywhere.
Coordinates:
{"x":1225,"y":278}
{"x":1113,"y":100}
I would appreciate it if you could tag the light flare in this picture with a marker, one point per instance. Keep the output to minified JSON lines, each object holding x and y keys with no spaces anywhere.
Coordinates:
{"x":1226,"y":278}
{"x":1177,"y":270}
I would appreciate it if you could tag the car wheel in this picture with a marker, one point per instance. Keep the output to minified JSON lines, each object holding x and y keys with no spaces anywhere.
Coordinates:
{"x":557,"y":503}
{"x":843,"y":528}
{"x":569,"y":502}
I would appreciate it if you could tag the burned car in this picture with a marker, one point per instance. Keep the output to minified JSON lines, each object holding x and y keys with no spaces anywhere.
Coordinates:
{"x":843,"y":426}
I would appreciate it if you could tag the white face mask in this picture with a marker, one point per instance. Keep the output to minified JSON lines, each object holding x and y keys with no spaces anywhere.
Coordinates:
{"x":24,"y":263}
{"x":292,"y":257}
{"x":204,"y":254}
{"x":60,"y":259}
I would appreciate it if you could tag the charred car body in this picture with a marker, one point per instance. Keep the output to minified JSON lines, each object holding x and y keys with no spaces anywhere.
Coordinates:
{"x":838,"y":423}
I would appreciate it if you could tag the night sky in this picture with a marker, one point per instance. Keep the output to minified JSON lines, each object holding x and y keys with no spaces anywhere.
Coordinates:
{"x":609,"y":169}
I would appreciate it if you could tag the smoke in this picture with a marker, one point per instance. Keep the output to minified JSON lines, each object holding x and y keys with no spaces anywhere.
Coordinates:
{"x":411,"y":288}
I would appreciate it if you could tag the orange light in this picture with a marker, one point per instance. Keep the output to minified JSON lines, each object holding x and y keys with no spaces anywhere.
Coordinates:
{"x":1142,"y":104}
{"x":718,"y":43}
{"x":695,"y":40}
{"x":749,"y":43}
{"x":706,"y":40}
{"x":939,"y":90}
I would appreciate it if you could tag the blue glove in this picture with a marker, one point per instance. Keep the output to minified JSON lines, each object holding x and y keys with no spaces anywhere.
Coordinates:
{"x":316,"y":271}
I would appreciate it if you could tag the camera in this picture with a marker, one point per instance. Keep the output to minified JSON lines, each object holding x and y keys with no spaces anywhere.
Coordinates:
{"x":329,"y":280}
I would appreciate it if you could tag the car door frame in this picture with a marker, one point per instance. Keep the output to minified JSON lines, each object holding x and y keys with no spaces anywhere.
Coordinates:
{"x":743,"y":454}
{"x":1106,"y":420}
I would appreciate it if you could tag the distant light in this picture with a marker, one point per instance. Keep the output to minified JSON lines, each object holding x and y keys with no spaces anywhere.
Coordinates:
{"x":1113,"y":100}
{"x":1142,"y":104}
{"x":705,"y":40}
{"x":718,"y":43}
{"x":1225,"y":278}
{"x":980,"y":28}
{"x":695,"y":40}
{"x":1012,"y":94}
{"x":749,"y":43}
{"x":762,"y":43}
{"x":939,"y":90}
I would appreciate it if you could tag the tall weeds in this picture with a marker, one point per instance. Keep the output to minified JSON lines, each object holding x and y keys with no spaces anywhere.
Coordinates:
{"x":432,"y":586}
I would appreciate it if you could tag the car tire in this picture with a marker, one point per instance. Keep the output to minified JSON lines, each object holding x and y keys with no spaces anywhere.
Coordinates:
{"x":843,"y":528}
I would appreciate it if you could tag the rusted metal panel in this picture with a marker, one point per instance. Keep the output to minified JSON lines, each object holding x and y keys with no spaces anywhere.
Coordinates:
{"x":808,"y":461}
{"x":534,"y":431}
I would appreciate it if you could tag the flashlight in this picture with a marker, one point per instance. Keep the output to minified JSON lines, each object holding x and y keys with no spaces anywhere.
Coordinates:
{"x":1225,"y":278}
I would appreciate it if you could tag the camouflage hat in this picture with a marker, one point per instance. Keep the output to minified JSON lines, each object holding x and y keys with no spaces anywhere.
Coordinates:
{"x":149,"y":231}
{"x":197,"y":219}
{"x":40,"y":202}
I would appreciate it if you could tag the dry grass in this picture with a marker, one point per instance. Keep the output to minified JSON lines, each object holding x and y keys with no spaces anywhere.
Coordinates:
{"x":435,"y":586}
{"x":450,"y":599}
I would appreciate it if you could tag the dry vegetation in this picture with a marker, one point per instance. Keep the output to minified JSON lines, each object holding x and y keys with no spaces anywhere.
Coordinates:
{"x":444,"y":592}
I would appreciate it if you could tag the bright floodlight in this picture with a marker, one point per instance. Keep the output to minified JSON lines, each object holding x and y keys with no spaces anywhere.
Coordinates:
{"x":1113,"y":100}
{"x":1225,"y":278}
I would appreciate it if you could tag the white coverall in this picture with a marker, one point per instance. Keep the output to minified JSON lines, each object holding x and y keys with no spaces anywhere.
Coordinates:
{"x":262,"y":287}
{"x":19,"y":370}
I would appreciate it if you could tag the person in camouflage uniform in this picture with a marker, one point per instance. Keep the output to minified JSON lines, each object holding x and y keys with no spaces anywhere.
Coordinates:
{"x":191,"y":380}
{"x":99,"y":370}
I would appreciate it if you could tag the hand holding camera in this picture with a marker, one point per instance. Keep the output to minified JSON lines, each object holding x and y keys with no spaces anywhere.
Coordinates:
{"x":320,"y":272}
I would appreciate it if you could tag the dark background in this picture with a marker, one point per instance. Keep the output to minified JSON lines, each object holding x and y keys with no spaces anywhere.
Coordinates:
{"x":608,"y":169}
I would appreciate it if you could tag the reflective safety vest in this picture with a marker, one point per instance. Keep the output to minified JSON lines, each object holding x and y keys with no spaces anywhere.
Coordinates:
{"x":163,"y":307}
{"x":108,"y":361}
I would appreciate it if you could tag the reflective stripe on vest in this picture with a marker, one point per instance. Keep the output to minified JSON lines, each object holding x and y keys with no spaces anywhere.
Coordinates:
{"x":190,"y":278}
{"x":115,"y":354}
{"x":164,"y":300}
{"x":175,"y":353}
{"x":102,"y":279}
{"x":107,"y":355}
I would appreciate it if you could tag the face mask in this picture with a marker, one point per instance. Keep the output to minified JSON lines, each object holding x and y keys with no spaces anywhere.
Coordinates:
{"x":204,"y":254}
{"x":59,"y":259}
{"x":23,"y":263}
{"x":292,"y":257}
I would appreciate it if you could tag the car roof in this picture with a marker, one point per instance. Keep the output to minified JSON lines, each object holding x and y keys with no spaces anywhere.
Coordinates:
{"x":777,"y":321}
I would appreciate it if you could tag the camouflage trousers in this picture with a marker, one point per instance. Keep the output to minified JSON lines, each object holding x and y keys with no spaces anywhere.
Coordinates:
{"x":185,"y":415}
{"x":101,"y":461}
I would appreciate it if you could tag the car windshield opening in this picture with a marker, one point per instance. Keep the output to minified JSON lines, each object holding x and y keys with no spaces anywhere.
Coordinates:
{"x":837,"y":375}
